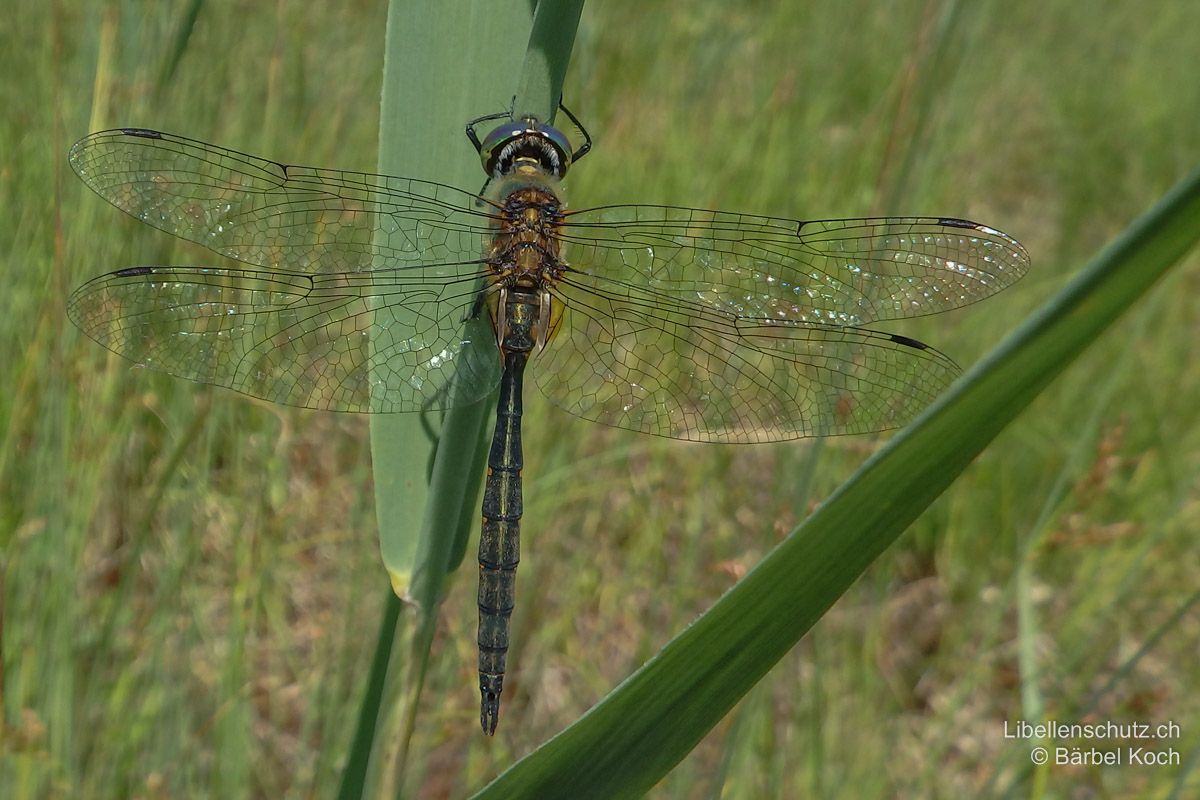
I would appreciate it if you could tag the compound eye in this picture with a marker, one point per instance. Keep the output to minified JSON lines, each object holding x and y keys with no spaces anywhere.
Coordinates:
{"x":496,"y":141}
{"x":559,"y":142}
{"x":525,"y":138}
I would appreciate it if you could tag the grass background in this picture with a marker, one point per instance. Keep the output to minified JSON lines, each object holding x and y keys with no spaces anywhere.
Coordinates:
{"x":191,"y":583}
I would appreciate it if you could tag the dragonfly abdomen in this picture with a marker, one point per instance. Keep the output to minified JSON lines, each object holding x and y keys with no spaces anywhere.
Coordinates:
{"x":499,"y":540}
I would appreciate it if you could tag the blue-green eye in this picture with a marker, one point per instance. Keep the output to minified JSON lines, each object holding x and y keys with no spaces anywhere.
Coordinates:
{"x":525,"y":138}
{"x":495,"y":141}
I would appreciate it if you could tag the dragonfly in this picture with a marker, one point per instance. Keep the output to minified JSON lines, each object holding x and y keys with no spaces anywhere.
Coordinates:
{"x":378,"y":294}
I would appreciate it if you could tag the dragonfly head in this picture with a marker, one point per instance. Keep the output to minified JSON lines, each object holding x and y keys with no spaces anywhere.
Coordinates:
{"x":525,"y":141}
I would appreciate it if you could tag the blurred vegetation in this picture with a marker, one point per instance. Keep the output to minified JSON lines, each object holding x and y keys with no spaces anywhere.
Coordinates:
{"x":191,"y":584}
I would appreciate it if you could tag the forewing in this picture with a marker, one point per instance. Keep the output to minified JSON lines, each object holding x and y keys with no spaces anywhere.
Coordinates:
{"x":274,"y":215}
{"x":835,"y":272}
{"x":636,"y":357}
{"x":383,"y":341}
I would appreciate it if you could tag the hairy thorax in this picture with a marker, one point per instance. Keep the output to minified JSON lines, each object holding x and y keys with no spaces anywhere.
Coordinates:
{"x":524,"y":257}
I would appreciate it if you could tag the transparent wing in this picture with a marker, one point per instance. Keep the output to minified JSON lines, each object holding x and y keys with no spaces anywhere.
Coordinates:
{"x":639,"y":358}
{"x":390,"y":340}
{"x":686,"y":323}
{"x":713,"y":326}
{"x":274,"y":215}
{"x":835,"y":272}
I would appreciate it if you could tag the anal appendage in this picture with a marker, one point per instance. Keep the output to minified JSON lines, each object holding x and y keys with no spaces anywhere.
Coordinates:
{"x":489,"y":702}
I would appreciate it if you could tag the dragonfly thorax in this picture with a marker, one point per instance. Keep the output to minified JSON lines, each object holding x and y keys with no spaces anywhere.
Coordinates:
{"x":525,"y":245}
